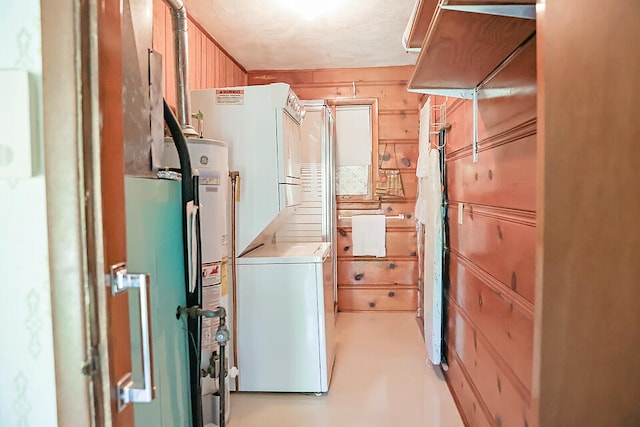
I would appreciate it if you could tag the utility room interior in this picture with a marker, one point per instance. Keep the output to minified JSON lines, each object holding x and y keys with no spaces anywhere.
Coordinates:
{"x":340,"y":213}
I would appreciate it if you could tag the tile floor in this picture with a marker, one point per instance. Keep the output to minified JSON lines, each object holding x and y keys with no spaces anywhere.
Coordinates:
{"x":380,"y":378}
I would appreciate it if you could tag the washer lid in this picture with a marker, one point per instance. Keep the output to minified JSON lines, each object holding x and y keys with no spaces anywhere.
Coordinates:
{"x":287,"y":253}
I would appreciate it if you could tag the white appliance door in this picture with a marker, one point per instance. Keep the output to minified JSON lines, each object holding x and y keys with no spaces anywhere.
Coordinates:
{"x":278,"y":328}
{"x":291,"y":148}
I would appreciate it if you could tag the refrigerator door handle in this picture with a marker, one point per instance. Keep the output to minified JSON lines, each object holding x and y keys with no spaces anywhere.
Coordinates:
{"x":126,"y":390}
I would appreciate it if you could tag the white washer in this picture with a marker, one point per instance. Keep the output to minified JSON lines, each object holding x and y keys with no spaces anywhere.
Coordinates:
{"x":286,"y":322}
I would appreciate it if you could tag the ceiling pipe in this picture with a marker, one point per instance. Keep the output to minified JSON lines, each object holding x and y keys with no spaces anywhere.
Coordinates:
{"x":181,"y":51}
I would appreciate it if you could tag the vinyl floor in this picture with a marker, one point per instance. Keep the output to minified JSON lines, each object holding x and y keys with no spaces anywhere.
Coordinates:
{"x":380,"y":378}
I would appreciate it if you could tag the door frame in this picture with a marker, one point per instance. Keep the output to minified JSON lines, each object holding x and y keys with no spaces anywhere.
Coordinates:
{"x":73,"y":305}
{"x":72,"y":132}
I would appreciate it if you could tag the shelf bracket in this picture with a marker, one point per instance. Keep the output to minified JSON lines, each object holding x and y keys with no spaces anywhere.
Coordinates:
{"x":525,"y":11}
{"x":475,"y":125}
{"x":452,"y":93}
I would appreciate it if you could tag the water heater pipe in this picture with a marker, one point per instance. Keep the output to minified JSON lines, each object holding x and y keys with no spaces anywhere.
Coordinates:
{"x":235,"y":176}
{"x":181,"y":52}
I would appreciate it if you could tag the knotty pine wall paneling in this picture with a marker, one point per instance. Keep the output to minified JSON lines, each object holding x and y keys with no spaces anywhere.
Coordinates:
{"x":586,"y":367}
{"x":367,"y":283}
{"x":492,"y":249}
{"x":210,"y":66}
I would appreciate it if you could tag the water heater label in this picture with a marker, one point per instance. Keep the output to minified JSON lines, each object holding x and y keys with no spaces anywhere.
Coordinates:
{"x":211,"y":273}
{"x":230,"y":96}
{"x":210,"y":301}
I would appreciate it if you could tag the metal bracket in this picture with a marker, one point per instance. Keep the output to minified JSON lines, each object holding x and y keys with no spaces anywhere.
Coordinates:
{"x":525,"y":11}
{"x":475,"y":126}
{"x":120,"y":280}
{"x":453,"y":93}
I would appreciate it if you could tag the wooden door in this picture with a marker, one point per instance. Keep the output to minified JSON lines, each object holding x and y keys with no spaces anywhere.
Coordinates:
{"x":113,"y":208}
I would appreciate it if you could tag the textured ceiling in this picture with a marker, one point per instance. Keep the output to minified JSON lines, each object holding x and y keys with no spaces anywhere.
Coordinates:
{"x":269,"y":35}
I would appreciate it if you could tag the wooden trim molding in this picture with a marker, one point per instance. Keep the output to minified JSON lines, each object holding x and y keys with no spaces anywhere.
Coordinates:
{"x":500,"y":362}
{"x":515,"y":134}
{"x":495,"y":285}
{"x":517,"y":216}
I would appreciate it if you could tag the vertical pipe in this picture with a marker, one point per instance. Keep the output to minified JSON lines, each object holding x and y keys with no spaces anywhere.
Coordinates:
{"x":222,"y":376}
{"x":234,"y":175}
{"x":181,"y":50}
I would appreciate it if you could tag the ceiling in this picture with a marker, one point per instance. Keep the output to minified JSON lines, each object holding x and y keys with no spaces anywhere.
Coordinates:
{"x":304,"y":34}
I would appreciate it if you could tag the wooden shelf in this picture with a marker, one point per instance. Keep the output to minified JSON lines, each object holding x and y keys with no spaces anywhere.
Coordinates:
{"x":462,"y":48}
{"x":421,"y":18}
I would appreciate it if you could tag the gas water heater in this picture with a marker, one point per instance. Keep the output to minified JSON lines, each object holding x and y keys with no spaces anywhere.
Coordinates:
{"x":210,"y":158}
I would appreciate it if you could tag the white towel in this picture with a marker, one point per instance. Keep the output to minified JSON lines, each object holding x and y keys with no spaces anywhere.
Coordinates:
{"x":369,"y":235}
{"x":424,"y":141}
{"x":422,"y":170}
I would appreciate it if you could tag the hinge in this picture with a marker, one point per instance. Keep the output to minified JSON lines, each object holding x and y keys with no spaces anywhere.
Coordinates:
{"x":90,"y":366}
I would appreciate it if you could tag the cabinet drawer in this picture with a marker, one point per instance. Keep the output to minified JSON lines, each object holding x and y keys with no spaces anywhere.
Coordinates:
{"x":399,"y":243}
{"x":374,"y":272}
{"x":363,"y":299}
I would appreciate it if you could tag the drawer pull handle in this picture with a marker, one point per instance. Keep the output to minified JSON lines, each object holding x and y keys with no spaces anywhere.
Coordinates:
{"x":342,"y":232}
{"x":480,"y":300}
{"x":392,"y":266}
{"x":346,"y":248}
{"x":392,"y":294}
{"x":359,"y":276}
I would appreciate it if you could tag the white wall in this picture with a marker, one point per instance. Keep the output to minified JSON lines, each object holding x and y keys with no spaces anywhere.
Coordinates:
{"x":28,"y":392}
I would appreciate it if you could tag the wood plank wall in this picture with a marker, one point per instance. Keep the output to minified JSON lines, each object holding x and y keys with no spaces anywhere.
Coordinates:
{"x":210,"y":66}
{"x":372,"y":284}
{"x":586,"y":366}
{"x":492,"y":263}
